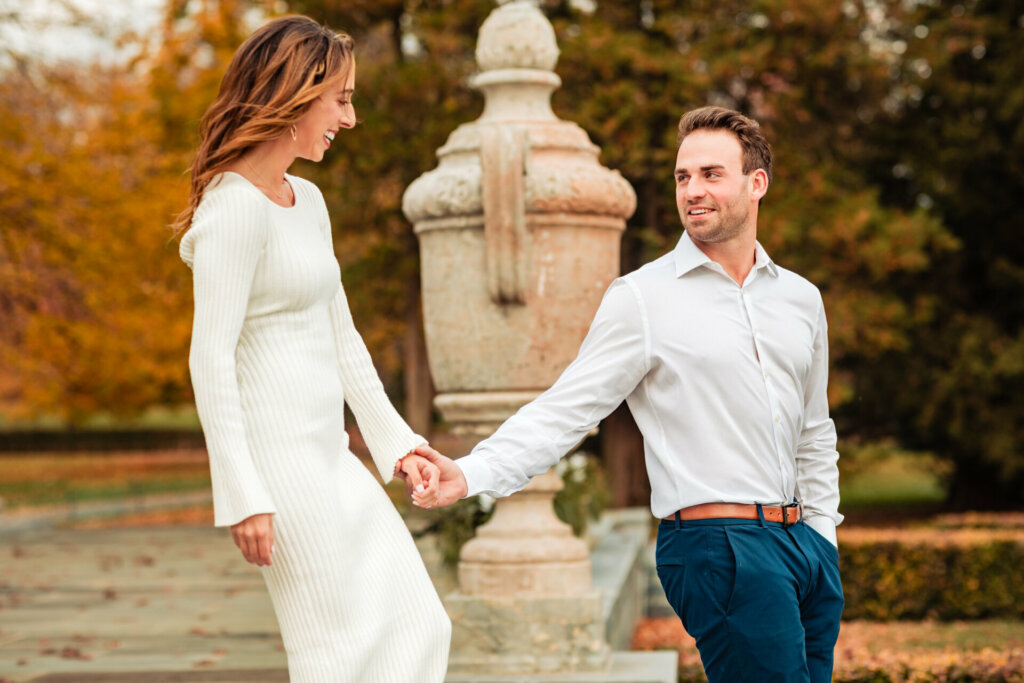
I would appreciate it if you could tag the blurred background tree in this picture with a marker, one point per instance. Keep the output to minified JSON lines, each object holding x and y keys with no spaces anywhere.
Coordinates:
{"x":897,"y":127}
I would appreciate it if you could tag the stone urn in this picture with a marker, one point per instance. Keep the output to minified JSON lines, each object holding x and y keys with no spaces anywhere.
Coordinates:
{"x":519,"y":229}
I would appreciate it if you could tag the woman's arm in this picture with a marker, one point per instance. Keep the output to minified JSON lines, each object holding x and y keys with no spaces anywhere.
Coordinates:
{"x":386,"y":434}
{"x":223,"y":247}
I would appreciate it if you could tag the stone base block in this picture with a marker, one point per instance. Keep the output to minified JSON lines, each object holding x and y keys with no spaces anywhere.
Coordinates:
{"x":624,"y":667}
{"x":527,"y":635}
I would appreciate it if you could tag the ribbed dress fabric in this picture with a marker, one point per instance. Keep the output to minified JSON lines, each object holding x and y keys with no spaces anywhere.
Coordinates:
{"x":274,"y":357}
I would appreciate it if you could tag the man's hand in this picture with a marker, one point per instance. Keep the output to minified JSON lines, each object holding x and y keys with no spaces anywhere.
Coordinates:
{"x":421,"y":479}
{"x":452,"y":485}
{"x":254,"y":536}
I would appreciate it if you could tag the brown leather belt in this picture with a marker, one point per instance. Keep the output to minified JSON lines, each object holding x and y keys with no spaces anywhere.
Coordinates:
{"x":786,"y":514}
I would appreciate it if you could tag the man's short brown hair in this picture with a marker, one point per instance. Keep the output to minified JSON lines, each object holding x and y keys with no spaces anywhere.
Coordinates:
{"x":757,"y":153}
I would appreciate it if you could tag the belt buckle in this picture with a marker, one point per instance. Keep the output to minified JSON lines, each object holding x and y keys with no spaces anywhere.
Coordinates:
{"x":785,"y":513}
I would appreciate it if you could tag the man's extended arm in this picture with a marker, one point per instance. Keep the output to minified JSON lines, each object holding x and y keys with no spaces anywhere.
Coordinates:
{"x":613,"y":358}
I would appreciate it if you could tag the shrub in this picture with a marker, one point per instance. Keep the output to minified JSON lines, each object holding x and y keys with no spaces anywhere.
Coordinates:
{"x":583,"y":498}
{"x":924,"y":652}
{"x":987,"y":666}
{"x":932,"y":573}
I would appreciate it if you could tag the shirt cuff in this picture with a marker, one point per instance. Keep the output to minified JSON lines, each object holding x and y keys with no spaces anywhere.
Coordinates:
{"x":824,"y":526}
{"x":479,"y":477}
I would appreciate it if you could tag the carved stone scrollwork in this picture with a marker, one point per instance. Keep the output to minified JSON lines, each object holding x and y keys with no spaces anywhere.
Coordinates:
{"x":450,"y":190}
{"x":503,"y":164}
{"x":580,"y":188}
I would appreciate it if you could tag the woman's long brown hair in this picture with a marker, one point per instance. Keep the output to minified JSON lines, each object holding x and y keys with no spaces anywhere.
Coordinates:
{"x":273,"y":78}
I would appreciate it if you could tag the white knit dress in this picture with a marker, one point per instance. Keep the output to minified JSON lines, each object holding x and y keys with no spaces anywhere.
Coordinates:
{"x":274,"y":357}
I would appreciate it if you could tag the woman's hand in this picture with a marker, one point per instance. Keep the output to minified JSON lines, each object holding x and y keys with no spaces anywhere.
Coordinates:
{"x":254,"y":536}
{"x":452,"y":485}
{"x":421,"y":478}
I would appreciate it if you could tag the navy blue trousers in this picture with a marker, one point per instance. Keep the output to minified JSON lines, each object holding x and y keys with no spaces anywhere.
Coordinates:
{"x":762,"y":601}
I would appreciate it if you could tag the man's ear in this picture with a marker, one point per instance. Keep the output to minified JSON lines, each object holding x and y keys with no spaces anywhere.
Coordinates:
{"x":758,"y":183}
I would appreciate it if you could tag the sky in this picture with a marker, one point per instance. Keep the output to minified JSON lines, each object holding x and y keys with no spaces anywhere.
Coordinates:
{"x":45,"y":28}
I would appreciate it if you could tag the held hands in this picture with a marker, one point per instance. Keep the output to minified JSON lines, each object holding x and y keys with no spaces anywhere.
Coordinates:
{"x":452,"y":484}
{"x":421,"y":478}
{"x":254,"y":536}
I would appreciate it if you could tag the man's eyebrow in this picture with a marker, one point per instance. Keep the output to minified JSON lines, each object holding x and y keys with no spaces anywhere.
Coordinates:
{"x":709,"y":167}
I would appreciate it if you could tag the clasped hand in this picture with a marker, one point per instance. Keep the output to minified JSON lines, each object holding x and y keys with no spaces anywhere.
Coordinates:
{"x":448,"y":486}
{"x":432,"y":480}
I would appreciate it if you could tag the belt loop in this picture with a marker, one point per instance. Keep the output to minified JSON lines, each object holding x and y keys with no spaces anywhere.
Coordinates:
{"x":679,"y":522}
{"x":760,"y":513}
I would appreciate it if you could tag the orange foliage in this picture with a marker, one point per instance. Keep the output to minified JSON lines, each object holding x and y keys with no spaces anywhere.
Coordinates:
{"x":95,"y":302}
{"x":867,"y":651}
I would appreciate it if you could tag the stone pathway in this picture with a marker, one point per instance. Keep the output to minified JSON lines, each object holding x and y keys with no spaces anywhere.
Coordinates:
{"x":169,"y":604}
{"x":126,"y":605}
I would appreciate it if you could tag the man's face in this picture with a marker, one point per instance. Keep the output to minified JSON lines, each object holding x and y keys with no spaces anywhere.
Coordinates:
{"x":712,"y":194}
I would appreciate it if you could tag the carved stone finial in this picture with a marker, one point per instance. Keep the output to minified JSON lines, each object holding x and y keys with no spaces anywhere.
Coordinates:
{"x":518,"y":36}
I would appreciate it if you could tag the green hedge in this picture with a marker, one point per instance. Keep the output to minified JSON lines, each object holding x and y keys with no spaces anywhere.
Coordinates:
{"x":933,"y":574}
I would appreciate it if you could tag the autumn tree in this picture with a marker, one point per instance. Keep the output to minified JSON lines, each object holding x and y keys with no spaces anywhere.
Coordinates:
{"x":95,"y":303}
{"x":91,"y":306}
{"x":951,"y":141}
{"x":897,"y":128}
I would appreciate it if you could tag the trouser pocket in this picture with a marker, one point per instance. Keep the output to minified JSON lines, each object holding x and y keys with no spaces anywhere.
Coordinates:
{"x":697,"y":570}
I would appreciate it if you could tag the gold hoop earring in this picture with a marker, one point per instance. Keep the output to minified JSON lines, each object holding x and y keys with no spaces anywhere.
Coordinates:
{"x":295,"y":135}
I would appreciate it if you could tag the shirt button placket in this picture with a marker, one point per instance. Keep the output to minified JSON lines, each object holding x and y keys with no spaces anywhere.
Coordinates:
{"x":772,"y":399}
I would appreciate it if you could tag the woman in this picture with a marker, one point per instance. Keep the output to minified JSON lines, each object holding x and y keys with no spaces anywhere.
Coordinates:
{"x":274,"y":356}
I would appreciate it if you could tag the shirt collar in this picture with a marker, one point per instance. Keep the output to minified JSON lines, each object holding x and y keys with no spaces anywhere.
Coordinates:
{"x":763,"y":260}
{"x":688,"y":257}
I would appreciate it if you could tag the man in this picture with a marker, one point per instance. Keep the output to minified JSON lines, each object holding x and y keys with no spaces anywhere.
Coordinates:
{"x":722,"y":357}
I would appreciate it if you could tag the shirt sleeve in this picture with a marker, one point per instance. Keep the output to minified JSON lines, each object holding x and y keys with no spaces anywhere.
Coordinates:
{"x":387,"y":435}
{"x":223,"y":247}
{"x":612,"y":360}
{"x":816,"y":455}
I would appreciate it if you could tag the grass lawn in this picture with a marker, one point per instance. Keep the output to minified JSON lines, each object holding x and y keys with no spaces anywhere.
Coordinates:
{"x":28,"y":480}
{"x":43,"y":479}
{"x":880,"y":475}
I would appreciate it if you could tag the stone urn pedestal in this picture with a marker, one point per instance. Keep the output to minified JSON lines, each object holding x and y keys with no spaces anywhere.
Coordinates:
{"x":526,"y":603}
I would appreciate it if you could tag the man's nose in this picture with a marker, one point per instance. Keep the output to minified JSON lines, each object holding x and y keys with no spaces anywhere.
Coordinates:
{"x":695,"y":188}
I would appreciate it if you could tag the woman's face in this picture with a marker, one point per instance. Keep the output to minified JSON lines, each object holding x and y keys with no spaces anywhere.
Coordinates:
{"x":328,"y":114}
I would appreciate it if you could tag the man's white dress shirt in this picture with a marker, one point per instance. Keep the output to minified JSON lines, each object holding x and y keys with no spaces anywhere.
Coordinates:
{"x":727,"y":384}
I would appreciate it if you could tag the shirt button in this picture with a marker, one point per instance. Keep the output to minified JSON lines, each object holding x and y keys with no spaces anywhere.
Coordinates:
{"x":778,"y":419}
